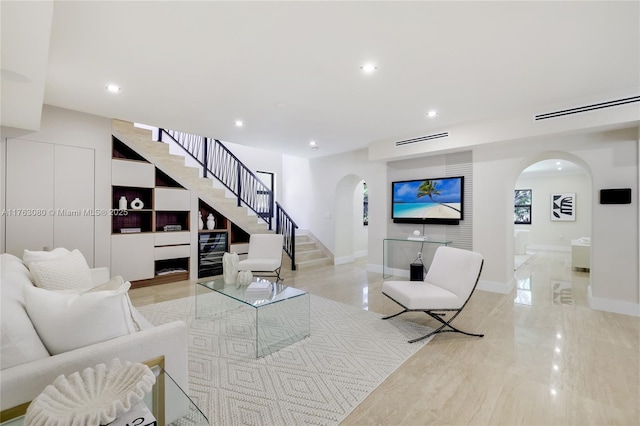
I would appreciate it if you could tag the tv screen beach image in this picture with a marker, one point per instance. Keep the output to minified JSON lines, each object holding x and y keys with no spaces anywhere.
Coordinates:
{"x":427,"y":199}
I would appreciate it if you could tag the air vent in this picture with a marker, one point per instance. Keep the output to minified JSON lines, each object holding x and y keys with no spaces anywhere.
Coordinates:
{"x":586,"y":108}
{"x":423,"y":138}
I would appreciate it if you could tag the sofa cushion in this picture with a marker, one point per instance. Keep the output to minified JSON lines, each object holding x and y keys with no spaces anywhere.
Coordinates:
{"x":67,"y":272}
{"x":66,"y":321}
{"x":30,"y":256}
{"x":20,"y":342}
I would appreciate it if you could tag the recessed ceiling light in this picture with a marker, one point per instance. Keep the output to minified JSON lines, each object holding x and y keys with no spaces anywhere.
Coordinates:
{"x":432,"y":113}
{"x":368,"y":68}
{"x":238,"y":123}
{"x":557,"y":163}
{"x":313,"y":145}
{"x":113,"y":88}
{"x":559,"y":168}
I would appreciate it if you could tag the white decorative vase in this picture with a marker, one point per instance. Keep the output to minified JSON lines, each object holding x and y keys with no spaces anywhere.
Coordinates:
{"x":137,"y":204}
{"x":122,"y":204}
{"x":230,"y":267}
{"x":245,"y":277}
{"x":200,"y":222}
{"x":211,"y":222}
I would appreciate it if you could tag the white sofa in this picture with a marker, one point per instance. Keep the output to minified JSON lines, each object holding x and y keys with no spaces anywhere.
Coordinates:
{"x":27,"y":367}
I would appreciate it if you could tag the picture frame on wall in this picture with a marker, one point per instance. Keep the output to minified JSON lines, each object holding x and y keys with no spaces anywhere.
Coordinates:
{"x":522,"y":207}
{"x":563,"y":206}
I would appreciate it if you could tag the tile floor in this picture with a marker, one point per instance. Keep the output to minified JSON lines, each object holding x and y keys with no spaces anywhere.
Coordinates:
{"x":546,"y":358}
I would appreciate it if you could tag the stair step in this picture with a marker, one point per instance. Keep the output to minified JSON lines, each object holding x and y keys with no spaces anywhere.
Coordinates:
{"x":316,"y":263}
{"x":305,"y":255}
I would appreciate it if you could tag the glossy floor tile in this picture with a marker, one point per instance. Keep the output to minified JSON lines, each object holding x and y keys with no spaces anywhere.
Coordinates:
{"x":546,"y":358}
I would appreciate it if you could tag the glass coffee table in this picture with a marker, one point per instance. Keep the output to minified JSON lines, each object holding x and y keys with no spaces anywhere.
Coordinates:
{"x":273,"y":315}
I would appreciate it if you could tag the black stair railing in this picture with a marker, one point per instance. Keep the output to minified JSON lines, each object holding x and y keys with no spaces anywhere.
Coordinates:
{"x":287,"y":227}
{"x":218,"y":162}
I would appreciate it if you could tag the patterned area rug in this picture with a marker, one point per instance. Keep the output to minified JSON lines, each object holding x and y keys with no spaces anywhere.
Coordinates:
{"x":318,"y":380}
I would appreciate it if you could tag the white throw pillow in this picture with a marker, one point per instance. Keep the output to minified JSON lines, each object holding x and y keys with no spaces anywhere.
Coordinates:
{"x":69,"y":272}
{"x":67,"y":321}
{"x":28,"y":257}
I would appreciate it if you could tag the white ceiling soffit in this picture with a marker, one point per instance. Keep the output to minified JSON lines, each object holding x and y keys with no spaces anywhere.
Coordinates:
{"x":25,"y":29}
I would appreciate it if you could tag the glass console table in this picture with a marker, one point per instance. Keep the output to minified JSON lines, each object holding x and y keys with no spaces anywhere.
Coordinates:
{"x":271,"y":319}
{"x":168,"y":403}
{"x":399,"y":252}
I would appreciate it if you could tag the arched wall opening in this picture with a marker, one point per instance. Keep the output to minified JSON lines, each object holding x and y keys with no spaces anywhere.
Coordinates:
{"x":351,"y":234}
{"x":539,"y":222}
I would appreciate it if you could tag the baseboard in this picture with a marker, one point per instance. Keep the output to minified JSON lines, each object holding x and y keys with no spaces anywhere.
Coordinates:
{"x":495,"y":287}
{"x":615,"y":306}
{"x":536,"y":247}
{"x":360,"y":254}
{"x":374,"y":268}
{"x":344,"y":259}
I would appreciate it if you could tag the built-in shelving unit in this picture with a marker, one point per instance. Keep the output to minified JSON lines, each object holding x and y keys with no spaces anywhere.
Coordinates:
{"x":151,"y":244}
{"x":154,"y":244}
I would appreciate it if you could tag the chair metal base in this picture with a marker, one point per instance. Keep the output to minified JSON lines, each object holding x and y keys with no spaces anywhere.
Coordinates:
{"x":437,"y":314}
{"x":276,"y":274}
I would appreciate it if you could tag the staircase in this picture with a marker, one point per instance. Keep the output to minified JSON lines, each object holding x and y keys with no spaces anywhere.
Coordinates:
{"x":309,"y":252}
{"x":140,"y":140}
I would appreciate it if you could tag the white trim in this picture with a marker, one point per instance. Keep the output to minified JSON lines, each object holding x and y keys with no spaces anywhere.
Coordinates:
{"x":532,"y":247}
{"x":615,"y":306}
{"x":361,"y":254}
{"x":344,"y":259}
{"x":495,"y":287}
{"x":374,"y":268}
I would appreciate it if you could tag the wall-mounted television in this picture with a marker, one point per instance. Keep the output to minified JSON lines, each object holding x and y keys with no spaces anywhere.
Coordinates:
{"x":431,"y":201}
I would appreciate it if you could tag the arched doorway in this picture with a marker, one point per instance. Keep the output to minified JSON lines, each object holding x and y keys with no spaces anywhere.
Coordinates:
{"x":351,"y":231}
{"x":553,"y":205}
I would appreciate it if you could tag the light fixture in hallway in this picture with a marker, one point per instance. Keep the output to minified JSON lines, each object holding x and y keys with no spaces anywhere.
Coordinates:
{"x":369,"y":68}
{"x":313,"y":145}
{"x":432,"y":113}
{"x":239,"y":123}
{"x":113,"y":88}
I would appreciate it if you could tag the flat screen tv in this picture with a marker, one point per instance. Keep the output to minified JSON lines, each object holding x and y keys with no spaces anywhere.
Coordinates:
{"x":431,"y":201}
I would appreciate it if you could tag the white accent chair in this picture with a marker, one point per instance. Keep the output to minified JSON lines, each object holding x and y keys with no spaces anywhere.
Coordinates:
{"x":448,"y":286}
{"x":264,"y":256}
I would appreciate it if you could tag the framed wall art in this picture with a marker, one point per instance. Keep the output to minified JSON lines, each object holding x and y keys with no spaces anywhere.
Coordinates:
{"x":522,"y":207}
{"x":563,"y":206}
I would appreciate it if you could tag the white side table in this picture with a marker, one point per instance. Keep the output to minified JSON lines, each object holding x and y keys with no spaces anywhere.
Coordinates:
{"x":580,"y":255}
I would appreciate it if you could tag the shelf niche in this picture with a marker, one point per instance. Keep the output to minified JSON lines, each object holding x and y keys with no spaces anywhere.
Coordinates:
{"x":122,"y":152}
{"x":204,"y":209}
{"x":134,"y":218}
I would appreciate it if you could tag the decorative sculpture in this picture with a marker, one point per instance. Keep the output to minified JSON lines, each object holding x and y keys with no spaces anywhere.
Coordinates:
{"x":94,"y":396}
{"x":230,"y":267}
{"x":245,"y":277}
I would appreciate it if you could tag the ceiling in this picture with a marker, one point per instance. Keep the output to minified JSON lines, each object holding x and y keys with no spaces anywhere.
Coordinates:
{"x":554,"y":167}
{"x":291,"y":70}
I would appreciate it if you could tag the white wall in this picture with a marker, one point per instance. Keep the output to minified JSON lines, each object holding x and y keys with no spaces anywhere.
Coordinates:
{"x":71,"y":128}
{"x":316,"y":188}
{"x":545,"y":233}
{"x":610,"y":157}
{"x":360,"y":231}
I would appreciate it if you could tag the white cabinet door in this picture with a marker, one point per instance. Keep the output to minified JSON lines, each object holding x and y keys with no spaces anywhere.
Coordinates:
{"x":133,"y":173}
{"x":132,"y":256}
{"x":74,"y":192}
{"x":29,"y":196}
{"x":172,"y":199}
